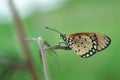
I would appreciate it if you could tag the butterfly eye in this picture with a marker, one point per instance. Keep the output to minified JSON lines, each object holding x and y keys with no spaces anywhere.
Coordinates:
{"x":64,"y":38}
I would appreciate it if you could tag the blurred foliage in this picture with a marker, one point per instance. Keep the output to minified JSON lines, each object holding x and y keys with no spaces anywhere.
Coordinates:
{"x":76,"y":16}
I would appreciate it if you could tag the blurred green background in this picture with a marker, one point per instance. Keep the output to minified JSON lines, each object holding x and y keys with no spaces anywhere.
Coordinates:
{"x":101,"y":16}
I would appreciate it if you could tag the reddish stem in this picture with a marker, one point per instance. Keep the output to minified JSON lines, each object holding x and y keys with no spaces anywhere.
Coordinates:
{"x":42,"y":49}
{"x":20,"y":32}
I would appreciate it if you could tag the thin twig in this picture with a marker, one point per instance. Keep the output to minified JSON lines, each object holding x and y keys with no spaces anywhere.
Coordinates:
{"x":42,"y":48}
{"x":46,"y":43}
{"x":26,"y":39}
{"x":59,"y":47}
{"x":19,"y":28}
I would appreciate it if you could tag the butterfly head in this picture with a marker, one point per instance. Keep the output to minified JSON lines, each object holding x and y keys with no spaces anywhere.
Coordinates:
{"x":63,"y":36}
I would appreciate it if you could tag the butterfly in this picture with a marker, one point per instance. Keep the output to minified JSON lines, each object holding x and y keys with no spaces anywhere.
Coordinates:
{"x":85,"y":44}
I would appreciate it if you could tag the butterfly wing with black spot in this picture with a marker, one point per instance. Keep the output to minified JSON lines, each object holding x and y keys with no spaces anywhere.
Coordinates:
{"x":87,"y":44}
{"x":83,"y":44}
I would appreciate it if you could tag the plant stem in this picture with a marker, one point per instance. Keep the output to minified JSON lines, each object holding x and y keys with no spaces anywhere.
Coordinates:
{"x":20,"y":32}
{"x":42,"y":49}
{"x":59,"y":47}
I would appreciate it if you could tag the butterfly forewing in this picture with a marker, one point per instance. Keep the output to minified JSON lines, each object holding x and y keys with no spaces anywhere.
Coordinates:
{"x":86,"y":44}
{"x":103,"y":41}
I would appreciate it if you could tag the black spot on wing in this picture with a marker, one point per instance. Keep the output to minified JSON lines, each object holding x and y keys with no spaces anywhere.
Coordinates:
{"x":85,"y":39}
{"x":79,"y":50}
{"x":75,"y":50}
{"x":78,"y":46}
{"x":79,"y":36}
{"x":81,"y":42}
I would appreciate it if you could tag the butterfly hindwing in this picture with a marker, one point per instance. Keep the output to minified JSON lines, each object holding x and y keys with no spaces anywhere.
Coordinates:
{"x":83,"y":44}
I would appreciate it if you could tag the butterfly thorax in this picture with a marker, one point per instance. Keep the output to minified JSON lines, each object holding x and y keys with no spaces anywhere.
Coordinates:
{"x":67,"y":41}
{"x":64,"y":38}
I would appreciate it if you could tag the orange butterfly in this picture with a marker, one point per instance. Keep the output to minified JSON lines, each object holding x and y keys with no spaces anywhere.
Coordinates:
{"x":85,"y":44}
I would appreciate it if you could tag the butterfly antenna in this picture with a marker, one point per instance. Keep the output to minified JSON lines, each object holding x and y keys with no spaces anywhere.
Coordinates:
{"x":53,"y":30}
